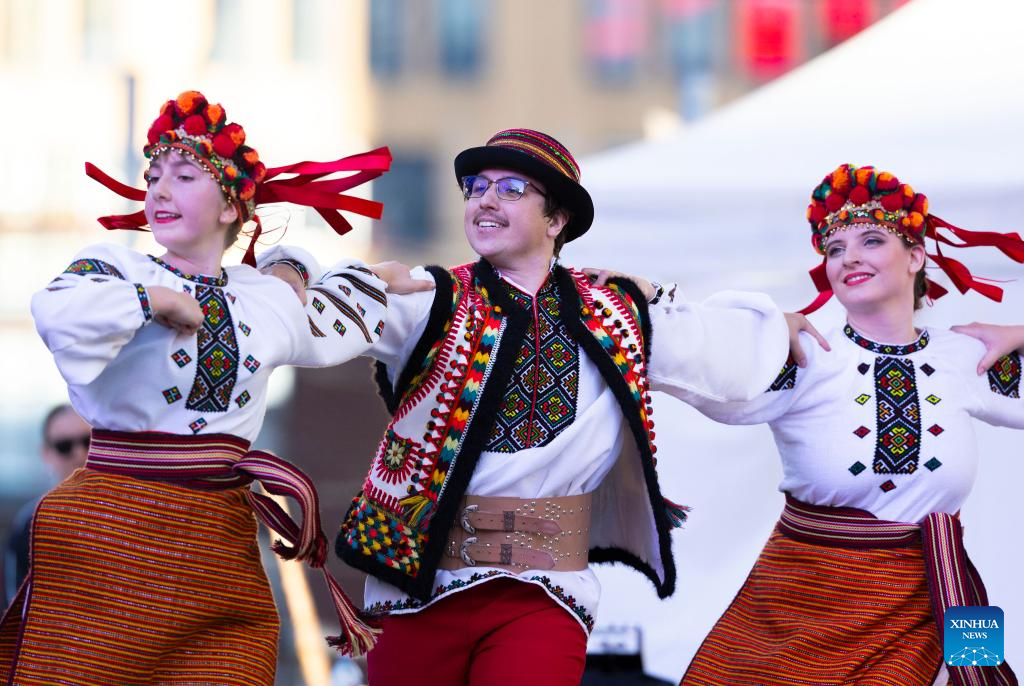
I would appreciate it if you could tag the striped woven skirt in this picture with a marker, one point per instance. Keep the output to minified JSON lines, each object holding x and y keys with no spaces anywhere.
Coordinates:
{"x":138,"y":581}
{"x":840,"y":597}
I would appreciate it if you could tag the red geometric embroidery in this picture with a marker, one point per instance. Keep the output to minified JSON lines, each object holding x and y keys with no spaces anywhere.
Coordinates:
{"x":888,"y":486}
{"x":935,"y":429}
{"x":862,"y":431}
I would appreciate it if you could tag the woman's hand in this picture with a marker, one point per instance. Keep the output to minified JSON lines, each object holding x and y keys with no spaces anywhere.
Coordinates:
{"x":797,"y":323}
{"x":399,"y":278}
{"x":178,"y":311}
{"x":600,"y":278}
{"x":999,"y":341}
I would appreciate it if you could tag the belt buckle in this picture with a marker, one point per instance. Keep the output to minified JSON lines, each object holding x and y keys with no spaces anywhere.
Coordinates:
{"x":464,"y":519}
{"x":464,"y":554}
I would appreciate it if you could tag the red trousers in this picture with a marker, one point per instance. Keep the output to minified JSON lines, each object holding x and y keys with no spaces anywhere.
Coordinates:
{"x":499,"y":633}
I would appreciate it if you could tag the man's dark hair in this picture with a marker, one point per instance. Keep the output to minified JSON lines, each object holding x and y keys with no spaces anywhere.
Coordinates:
{"x":553,"y":206}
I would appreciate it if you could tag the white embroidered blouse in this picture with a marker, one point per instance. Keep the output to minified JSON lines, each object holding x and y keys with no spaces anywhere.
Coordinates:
{"x":880,"y":427}
{"x":126,"y":372}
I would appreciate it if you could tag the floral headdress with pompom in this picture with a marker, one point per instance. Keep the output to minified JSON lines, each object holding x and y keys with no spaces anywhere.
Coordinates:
{"x":199,"y":130}
{"x":863,"y":195}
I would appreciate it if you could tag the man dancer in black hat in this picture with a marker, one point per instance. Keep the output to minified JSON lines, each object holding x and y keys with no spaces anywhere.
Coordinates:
{"x":521,"y":447}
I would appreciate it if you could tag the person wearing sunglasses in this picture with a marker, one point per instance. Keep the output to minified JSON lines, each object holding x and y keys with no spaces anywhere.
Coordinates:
{"x":521,"y":447}
{"x":64,"y":449}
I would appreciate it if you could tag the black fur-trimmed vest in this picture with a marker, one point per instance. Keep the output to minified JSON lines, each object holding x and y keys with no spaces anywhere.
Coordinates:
{"x":445,"y":403}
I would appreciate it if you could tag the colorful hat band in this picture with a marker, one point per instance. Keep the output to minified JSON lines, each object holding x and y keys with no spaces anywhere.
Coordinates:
{"x":223,"y":173}
{"x":542,"y":148}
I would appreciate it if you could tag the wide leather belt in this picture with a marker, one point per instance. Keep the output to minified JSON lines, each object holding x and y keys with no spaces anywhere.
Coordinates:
{"x":519,"y":534}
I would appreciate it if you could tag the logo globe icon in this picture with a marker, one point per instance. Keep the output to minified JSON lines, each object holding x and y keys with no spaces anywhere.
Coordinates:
{"x":974,"y":657}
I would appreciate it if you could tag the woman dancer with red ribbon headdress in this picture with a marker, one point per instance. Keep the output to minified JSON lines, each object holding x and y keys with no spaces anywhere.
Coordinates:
{"x":144,"y":564}
{"x":878,"y":455}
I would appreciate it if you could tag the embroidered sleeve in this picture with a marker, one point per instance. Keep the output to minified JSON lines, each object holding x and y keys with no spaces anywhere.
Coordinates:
{"x":1000,"y":397}
{"x":727,"y":348}
{"x":786,"y":380}
{"x":407,"y":320}
{"x":344,"y":316}
{"x":90,"y":311}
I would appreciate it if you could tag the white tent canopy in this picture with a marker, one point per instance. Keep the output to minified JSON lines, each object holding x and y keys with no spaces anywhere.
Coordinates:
{"x":935,"y":94}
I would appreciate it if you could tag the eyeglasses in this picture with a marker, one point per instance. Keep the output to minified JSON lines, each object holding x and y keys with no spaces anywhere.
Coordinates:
{"x":64,"y":446}
{"x":508,"y":188}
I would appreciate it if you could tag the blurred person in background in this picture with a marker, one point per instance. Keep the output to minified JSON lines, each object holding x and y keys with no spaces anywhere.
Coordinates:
{"x":65,"y":446}
{"x":521,"y":447}
{"x":878,"y":455}
{"x":144,"y":565}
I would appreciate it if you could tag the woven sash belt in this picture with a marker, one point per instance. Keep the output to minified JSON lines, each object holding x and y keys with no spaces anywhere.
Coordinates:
{"x":520,"y":533}
{"x":952,"y":579}
{"x":221,"y":462}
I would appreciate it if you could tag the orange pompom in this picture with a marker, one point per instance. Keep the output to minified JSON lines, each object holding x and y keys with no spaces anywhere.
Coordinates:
{"x":189,"y":103}
{"x":215,"y":116}
{"x":251,"y":157}
{"x":863,"y":176}
{"x":916,"y":219}
{"x":841,"y":179}
{"x":230,"y":173}
{"x":879,"y":215}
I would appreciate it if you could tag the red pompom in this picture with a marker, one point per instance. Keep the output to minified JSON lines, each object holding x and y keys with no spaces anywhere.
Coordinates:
{"x":886,"y":182}
{"x":892,"y":202}
{"x":163,"y":123}
{"x":860,"y":195}
{"x":834,"y":201}
{"x":246,"y":189}
{"x":259,"y":170}
{"x":920,"y":204}
{"x":195,"y":125}
{"x":224,"y":145}
{"x":816,"y":212}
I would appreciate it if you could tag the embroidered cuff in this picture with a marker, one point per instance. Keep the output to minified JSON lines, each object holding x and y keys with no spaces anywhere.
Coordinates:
{"x":297,"y":266}
{"x":147,"y":311}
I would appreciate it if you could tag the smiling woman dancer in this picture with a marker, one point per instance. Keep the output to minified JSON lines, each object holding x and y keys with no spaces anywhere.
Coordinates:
{"x":144,"y":564}
{"x":878,"y":452}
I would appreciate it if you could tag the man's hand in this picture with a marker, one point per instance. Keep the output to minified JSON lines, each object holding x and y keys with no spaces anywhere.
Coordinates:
{"x":600,"y":278}
{"x":399,"y":278}
{"x":290,"y":276}
{"x":175,"y":310}
{"x":999,"y":341}
{"x":797,"y":323}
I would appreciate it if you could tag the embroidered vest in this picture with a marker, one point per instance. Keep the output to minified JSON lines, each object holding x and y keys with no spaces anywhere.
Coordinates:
{"x":444,"y":404}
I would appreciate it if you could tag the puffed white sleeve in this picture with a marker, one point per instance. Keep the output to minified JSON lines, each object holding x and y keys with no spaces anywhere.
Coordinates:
{"x":730,"y":347}
{"x":87,"y":314}
{"x":997,"y":393}
{"x":344,"y":316}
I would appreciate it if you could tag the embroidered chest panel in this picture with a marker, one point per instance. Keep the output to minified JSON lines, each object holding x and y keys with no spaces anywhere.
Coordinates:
{"x":217,"y":354}
{"x":540,"y":400}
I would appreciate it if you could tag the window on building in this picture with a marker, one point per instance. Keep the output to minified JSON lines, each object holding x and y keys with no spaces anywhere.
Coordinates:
{"x":386,"y":22}
{"x":407,"y":192}
{"x":461,"y":34}
{"x":615,"y":35}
